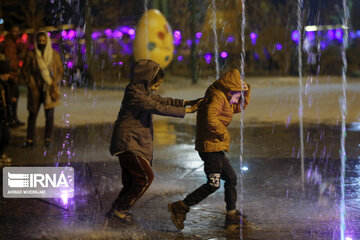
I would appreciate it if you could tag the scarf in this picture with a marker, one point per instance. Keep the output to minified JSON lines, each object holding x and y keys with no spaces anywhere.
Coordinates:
{"x":45,"y":61}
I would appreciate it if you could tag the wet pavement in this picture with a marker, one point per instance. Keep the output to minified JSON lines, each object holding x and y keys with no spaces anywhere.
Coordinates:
{"x":270,"y":192}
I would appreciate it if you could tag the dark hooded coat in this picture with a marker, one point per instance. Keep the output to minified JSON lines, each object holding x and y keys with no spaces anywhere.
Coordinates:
{"x":133,"y":128}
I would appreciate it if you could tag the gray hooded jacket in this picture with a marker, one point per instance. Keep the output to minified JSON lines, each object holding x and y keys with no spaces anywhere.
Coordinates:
{"x":133,"y":128}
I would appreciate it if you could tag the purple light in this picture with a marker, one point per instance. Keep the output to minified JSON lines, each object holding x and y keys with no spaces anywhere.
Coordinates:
{"x":256,"y":56}
{"x":197,"y":41}
{"x":253,"y":37}
{"x":71,"y":34}
{"x":358,"y":33}
{"x":108,"y":33}
{"x":114,"y":64}
{"x":95,"y":35}
{"x":310,"y":36}
{"x":63,"y":34}
{"x":180,"y":58}
{"x":177,"y":37}
{"x":295,"y":36}
{"x":323,"y":45}
{"x":339,"y":34}
{"x":224,"y":54}
{"x":83,"y":49}
{"x":120,"y":63}
{"x":331,"y":34}
{"x":189,"y":42}
{"x":64,"y":198}
{"x":70,"y":64}
{"x":125,"y":29}
{"x":352,"y":35}
{"x":177,"y":34}
{"x":207,"y":58}
{"x":117,"y":34}
{"x":49,"y":34}
{"x":131,"y":32}
{"x":279,"y":46}
{"x":198,"y":35}
{"x":231,"y":39}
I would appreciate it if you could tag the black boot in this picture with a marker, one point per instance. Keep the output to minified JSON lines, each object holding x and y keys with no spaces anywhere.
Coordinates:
{"x":118,"y":218}
{"x":28,"y":144}
{"x":178,"y":213}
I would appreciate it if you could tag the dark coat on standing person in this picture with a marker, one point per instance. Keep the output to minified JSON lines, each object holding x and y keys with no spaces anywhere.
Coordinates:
{"x":11,"y":54}
{"x":35,"y":82}
{"x":133,"y":129}
{"x":4,"y":93}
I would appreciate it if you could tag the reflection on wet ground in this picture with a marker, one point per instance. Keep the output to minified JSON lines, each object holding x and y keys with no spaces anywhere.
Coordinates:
{"x":270,"y":191}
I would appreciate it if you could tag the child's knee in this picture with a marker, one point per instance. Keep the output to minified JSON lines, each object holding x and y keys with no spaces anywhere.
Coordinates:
{"x":212,"y":189}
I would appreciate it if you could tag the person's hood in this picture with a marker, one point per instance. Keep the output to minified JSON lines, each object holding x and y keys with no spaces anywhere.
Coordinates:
{"x":48,"y":51}
{"x":231,"y":81}
{"x":48,"y":40}
{"x":144,"y":72}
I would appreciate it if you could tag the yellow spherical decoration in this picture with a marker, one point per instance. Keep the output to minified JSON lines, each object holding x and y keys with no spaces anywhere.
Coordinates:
{"x":154,"y":38}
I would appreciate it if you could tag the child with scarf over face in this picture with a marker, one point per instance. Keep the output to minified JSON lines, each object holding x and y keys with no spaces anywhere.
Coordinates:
{"x":226,"y":96}
{"x":132,"y":139}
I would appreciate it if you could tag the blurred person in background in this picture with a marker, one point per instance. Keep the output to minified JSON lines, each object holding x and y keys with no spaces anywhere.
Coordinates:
{"x":11,"y":51}
{"x":42,"y":72}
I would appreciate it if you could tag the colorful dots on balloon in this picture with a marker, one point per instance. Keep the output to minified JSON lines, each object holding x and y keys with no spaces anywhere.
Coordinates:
{"x":154,"y":38}
{"x":151,"y":46}
{"x":161,"y":35}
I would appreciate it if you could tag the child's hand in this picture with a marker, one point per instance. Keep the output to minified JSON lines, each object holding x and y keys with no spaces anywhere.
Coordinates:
{"x":194,"y":107}
{"x":192,"y":102}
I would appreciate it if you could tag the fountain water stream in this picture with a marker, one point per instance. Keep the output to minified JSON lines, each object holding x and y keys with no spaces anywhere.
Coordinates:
{"x":343,"y":108}
{"x":301,"y":89}
{"x":216,"y":45}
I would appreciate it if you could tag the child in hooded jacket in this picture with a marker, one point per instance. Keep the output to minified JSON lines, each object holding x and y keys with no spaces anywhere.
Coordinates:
{"x":132,"y":139}
{"x":226,"y":96}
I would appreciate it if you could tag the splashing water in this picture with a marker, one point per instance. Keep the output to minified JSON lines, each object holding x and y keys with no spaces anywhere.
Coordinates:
{"x":299,"y":29}
{"x":146,"y":28}
{"x":242,"y":73}
{"x":216,"y":45}
{"x":343,"y":108}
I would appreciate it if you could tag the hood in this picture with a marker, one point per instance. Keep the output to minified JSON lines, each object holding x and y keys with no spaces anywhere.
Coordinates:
{"x":48,"y":51}
{"x":144,"y":72}
{"x":231,"y":81}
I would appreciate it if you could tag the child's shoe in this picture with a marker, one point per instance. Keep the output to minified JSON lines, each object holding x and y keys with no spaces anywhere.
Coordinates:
{"x":118,"y":217}
{"x":178,"y":213}
{"x":235,"y":220}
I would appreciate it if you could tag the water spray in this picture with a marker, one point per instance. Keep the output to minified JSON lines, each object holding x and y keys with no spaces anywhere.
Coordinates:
{"x":299,"y":30}
{"x":343,"y":108}
{"x":216,"y":45}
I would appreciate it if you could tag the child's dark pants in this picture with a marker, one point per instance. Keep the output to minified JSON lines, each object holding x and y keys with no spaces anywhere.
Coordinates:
{"x":137,"y":176}
{"x":216,"y":167}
